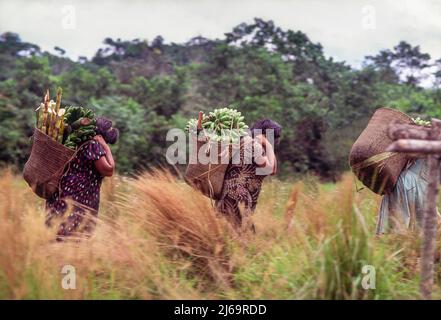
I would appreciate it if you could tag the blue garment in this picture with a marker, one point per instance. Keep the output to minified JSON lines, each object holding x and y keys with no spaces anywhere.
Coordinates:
{"x":404,"y":207}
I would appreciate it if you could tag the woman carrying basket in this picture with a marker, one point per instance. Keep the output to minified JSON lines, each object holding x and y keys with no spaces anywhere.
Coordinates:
{"x":243,"y":181}
{"x":404,"y":207}
{"x":75,"y":206}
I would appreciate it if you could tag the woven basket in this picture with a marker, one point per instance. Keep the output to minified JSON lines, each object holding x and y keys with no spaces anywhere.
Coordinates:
{"x":375,"y":168}
{"x":46,"y":164}
{"x":209,"y":178}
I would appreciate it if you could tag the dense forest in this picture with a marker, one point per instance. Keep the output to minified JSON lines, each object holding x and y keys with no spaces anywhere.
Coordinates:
{"x":148,"y":87}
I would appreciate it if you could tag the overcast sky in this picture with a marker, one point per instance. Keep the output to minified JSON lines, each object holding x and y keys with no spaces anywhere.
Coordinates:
{"x":347,"y":29}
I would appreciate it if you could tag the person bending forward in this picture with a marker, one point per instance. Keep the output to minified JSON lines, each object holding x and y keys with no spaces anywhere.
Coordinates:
{"x":243,"y":181}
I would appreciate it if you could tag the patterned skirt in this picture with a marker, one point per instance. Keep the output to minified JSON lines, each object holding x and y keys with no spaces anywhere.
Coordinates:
{"x":241,"y":188}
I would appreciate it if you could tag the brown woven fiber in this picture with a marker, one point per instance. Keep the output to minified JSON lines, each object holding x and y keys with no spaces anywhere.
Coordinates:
{"x":209,"y":178}
{"x":45,"y":165}
{"x":376,"y":169}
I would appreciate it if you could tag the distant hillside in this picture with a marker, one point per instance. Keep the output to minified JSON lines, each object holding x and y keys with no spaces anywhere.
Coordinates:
{"x":148,"y":87}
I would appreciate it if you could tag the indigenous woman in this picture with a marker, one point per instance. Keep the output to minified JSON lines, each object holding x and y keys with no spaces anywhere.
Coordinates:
{"x":76,"y":205}
{"x":243,"y":181}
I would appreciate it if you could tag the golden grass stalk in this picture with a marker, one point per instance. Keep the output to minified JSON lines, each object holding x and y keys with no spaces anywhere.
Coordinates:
{"x":183,"y":223}
{"x":157,"y":238}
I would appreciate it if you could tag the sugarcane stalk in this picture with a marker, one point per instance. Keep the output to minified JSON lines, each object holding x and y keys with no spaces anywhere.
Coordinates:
{"x":61,"y":131}
{"x":37,"y":115}
{"x":39,"y":111}
{"x":54,"y":122}
{"x":51,"y":124}
{"x":59,"y":93}
{"x":48,"y":121}
{"x":58,"y":124}
{"x":55,"y":117}
{"x":45,"y":112}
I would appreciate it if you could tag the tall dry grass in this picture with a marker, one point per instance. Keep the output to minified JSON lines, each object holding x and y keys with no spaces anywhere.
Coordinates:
{"x":156,"y":238}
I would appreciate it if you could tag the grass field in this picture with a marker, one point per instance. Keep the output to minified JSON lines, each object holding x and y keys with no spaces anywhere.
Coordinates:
{"x":158,"y":239}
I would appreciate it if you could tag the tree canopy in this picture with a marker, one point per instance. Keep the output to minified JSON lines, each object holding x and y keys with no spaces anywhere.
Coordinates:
{"x":260,"y":69}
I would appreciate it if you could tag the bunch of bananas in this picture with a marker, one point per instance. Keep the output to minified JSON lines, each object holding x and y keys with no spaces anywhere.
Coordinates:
{"x":191,"y":126}
{"x":222,"y":125}
{"x":80,"y":124}
{"x":421,"y":122}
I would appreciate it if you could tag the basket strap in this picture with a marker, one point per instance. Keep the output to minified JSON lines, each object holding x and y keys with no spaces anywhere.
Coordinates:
{"x":215,"y":168}
{"x":66,"y":167}
{"x":373,"y":160}
{"x":210,"y":169}
{"x":357,"y":189}
{"x":207,"y":172}
{"x":210,"y":185}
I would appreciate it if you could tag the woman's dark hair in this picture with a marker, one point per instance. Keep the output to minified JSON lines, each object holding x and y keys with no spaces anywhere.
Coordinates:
{"x":262,"y":126}
{"x":111,"y":136}
{"x":104,"y":128}
{"x":103,"y":125}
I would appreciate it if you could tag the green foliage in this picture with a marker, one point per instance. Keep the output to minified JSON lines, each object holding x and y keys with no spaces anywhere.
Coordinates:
{"x":142,"y":133}
{"x":81,"y":84}
{"x":160,"y":94}
{"x":261,"y":69}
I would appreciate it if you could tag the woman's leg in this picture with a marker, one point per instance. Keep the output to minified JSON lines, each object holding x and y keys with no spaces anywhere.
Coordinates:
{"x":229,"y":207}
{"x":79,"y":222}
{"x":249,"y":206}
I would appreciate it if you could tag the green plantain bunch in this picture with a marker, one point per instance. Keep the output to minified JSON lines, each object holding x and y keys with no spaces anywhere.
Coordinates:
{"x":222,"y":125}
{"x":80,"y":123}
{"x":421,"y":122}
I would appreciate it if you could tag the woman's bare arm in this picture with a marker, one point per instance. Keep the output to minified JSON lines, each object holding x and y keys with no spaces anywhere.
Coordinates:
{"x":269,"y":159}
{"x":106,"y":164}
{"x":271,"y":156}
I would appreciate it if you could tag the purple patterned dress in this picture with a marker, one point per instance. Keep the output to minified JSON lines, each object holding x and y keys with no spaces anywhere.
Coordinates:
{"x":80,"y":193}
{"x":242,"y":185}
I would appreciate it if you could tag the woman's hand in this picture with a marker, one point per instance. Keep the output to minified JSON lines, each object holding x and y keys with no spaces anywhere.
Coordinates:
{"x":261,"y":139}
{"x":99,"y":138}
{"x":269,"y":160}
{"x":105,"y":165}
